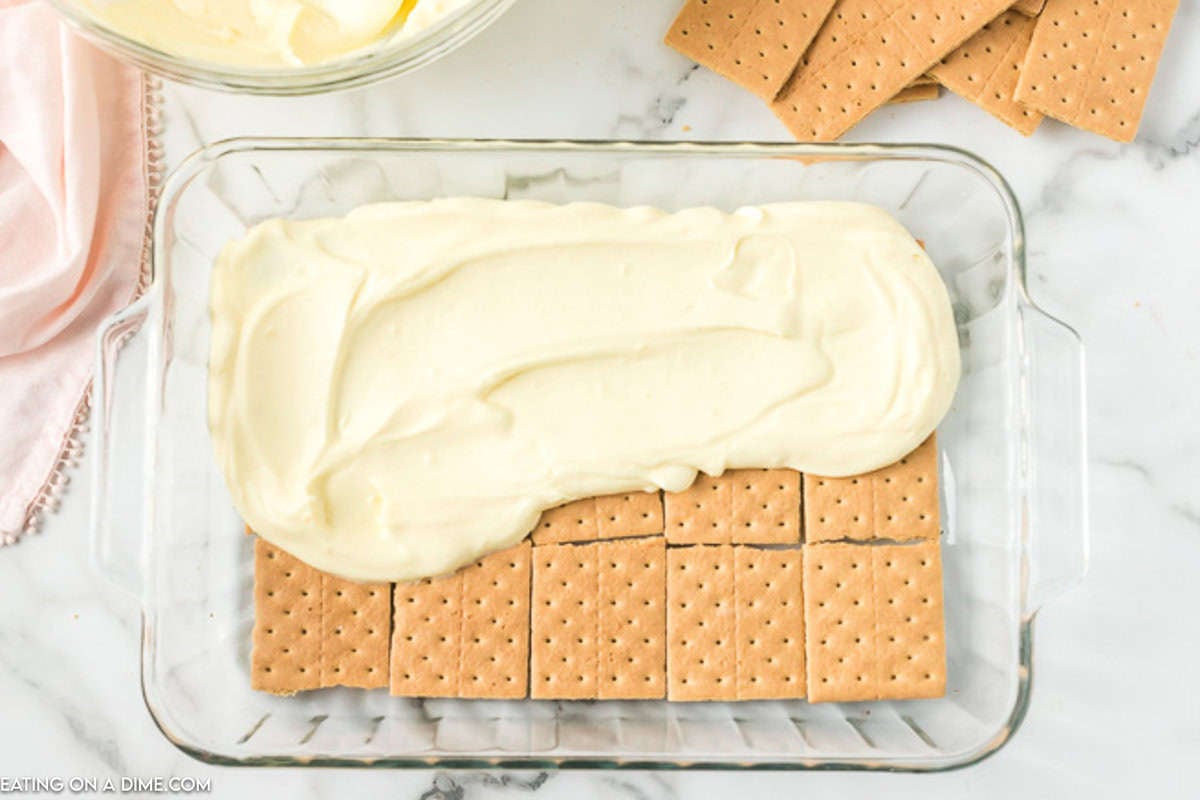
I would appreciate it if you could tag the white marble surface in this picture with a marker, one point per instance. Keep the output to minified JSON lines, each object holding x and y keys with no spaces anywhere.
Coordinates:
{"x":1114,"y":249}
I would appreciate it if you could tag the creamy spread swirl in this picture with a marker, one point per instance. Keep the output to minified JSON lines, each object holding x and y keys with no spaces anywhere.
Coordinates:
{"x":267,"y":33}
{"x":398,"y":391}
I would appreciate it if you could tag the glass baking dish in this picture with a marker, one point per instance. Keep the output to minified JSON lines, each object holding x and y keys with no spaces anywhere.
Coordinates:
{"x":1012,"y":465}
{"x":394,"y":55}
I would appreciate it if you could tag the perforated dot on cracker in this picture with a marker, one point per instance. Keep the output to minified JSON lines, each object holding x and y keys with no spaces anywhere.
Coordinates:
{"x":744,"y":506}
{"x":866,"y":53}
{"x":755,"y":43}
{"x":899,"y":501}
{"x":986,"y":68}
{"x":1090,"y":63}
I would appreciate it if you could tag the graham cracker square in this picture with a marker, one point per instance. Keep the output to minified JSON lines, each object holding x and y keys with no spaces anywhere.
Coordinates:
{"x":355,"y":631}
{"x":742,"y":506}
{"x":986,"y":68}
{"x":494,"y":656}
{"x":632,"y":618}
{"x":769,"y":594}
{"x":910,"y":649}
{"x":875,"y":627}
{"x":898,"y":502}
{"x":701,"y":623}
{"x":564,"y":654}
{"x":599,"y":620}
{"x":616,"y":516}
{"x":465,"y":634}
{"x":839,"y":617}
{"x":1090,"y":64}
{"x":286,"y":653}
{"x":755,"y":43}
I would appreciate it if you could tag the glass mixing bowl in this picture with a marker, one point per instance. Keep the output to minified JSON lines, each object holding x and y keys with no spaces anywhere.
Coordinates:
{"x":392,"y":56}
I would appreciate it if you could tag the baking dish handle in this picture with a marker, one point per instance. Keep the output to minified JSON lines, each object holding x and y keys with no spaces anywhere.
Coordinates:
{"x":115,"y":533}
{"x":1055,"y":510}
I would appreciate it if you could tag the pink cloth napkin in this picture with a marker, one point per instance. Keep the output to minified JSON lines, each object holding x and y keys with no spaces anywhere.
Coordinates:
{"x":75,"y":189}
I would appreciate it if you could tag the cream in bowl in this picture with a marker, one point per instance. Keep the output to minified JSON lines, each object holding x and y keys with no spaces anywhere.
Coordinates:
{"x":267,"y":33}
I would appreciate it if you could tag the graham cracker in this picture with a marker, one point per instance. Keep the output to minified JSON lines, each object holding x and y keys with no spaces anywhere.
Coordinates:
{"x":910,"y":648}
{"x":465,"y":634}
{"x":355,"y":631}
{"x":564,"y":654}
{"x":313,"y":630}
{"x":1090,"y":64}
{"x":494,"y":655}
{"x":701,"y":623}
{"x":742,"y":506}
{"x":632,"y":616}
{"x":916,"y":93}
{"x":839,"y":618}
{"x":629,"y":515}
{"x":769,"y":605}
{"x":426,"y":637}
{"x":616,"y":516}
{"x":1030,"y":8}
{"x":754,"y":43}
{"x":735,"y":623}
{"x":866,"y":53}
{"x":875,"y":626}
{"x":899,"y":501}
{"x":598,"y":621}
{"x":986,"y":68}
{"x":286,"y":653}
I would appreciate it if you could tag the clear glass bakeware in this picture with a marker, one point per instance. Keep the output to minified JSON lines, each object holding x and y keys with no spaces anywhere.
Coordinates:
{"x":1012,"y":465}
{"x":392,"y":56}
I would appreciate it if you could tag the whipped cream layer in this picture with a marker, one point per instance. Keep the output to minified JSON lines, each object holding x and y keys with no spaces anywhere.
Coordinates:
{"x":267,"y":33}
{"x":399,"y":391}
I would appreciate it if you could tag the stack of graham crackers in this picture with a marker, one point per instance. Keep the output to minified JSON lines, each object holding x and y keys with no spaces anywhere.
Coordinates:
{"x":758,"y":584}
{"x":824,"y":65}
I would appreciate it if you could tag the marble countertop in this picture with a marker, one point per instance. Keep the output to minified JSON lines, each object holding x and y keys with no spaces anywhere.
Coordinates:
{"x":1112,"y":251}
